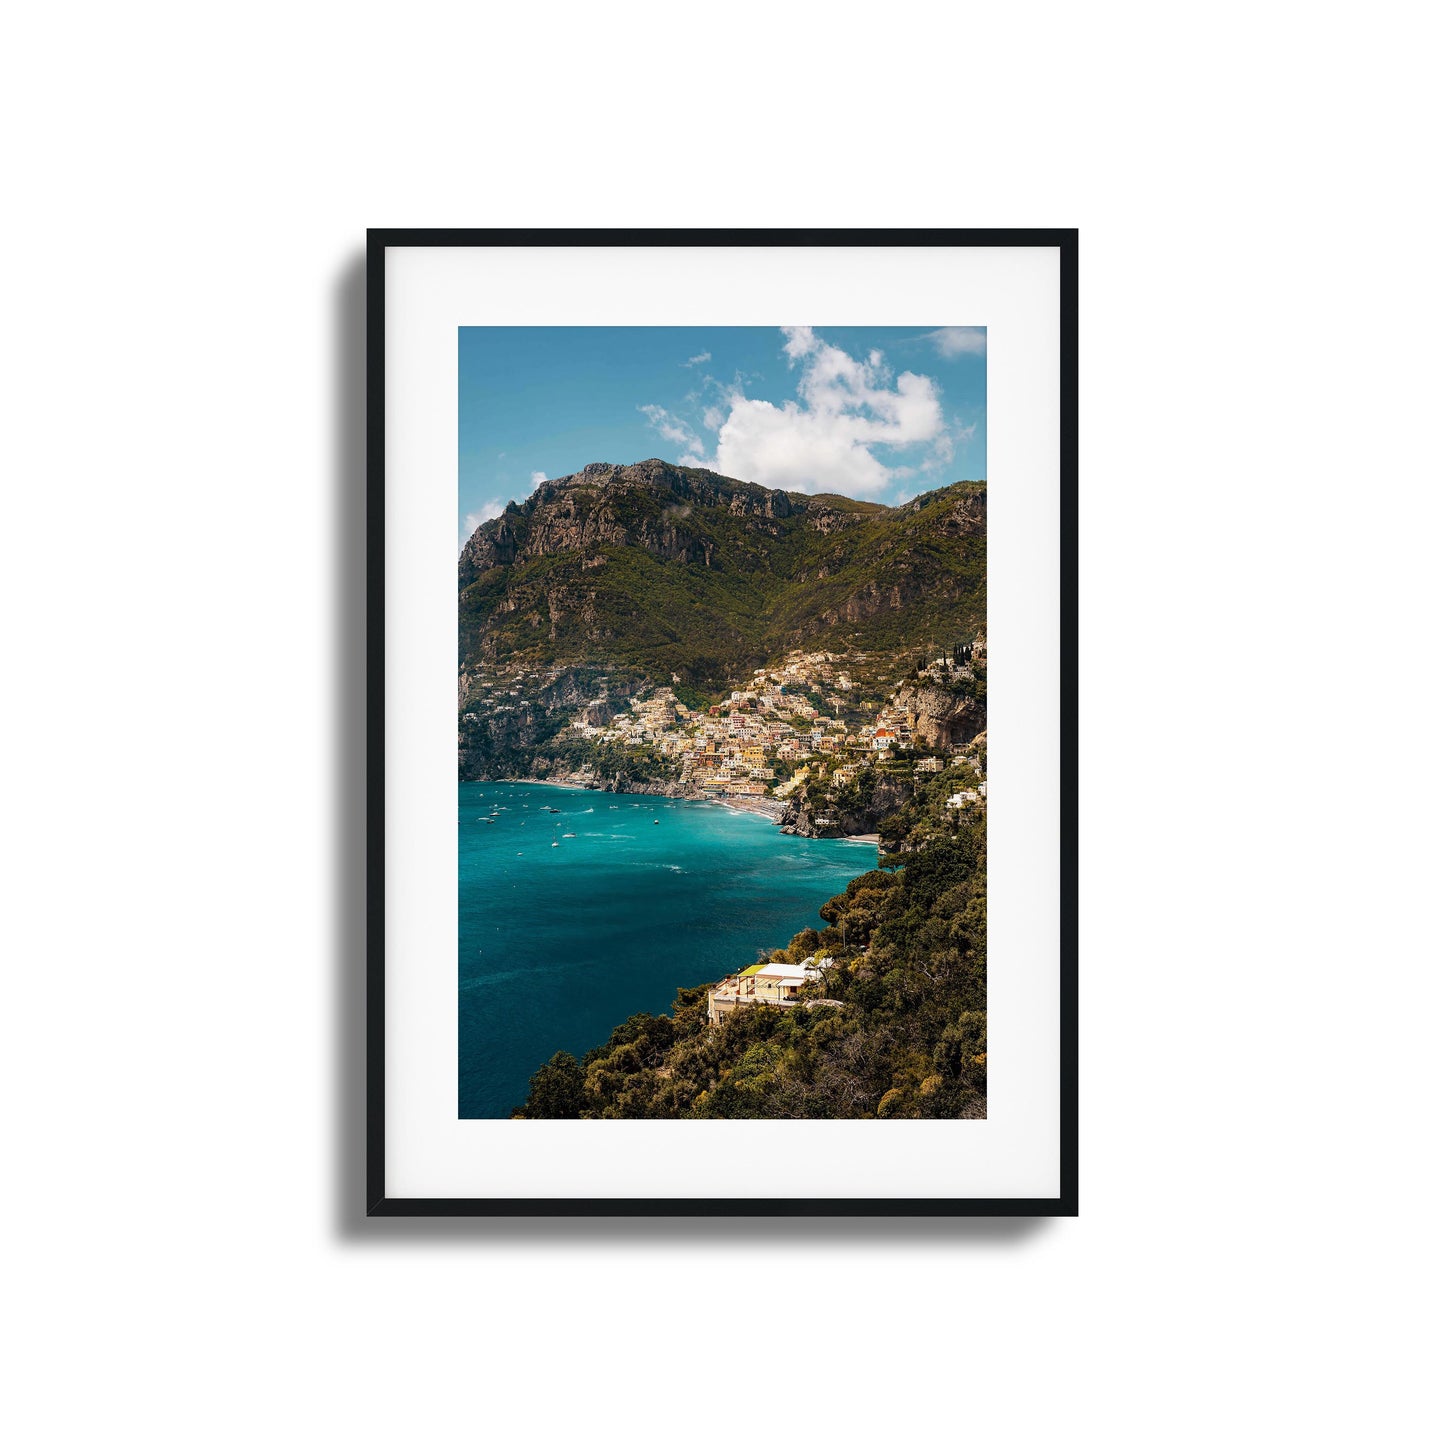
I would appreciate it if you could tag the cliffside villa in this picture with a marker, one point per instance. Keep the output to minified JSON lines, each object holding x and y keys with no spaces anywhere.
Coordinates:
{"x":776,"y":984}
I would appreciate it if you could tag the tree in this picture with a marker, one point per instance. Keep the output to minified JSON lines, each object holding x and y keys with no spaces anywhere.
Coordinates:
{"x":556,"y":1090}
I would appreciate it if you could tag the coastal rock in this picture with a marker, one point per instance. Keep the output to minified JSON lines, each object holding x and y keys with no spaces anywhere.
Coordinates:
{"x":652,"y":788}
{"x":799,"y":819}
{"x":814,"y":814}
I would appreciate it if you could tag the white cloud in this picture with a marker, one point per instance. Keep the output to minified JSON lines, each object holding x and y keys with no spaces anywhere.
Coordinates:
{"x":800,"y":341}
{"x":673,"y":429}
{"x":850,"y":413}
{"x":940,"y":455}
{"x":473,"y":520}
{"x":952,"y":341}
{"x":537,"y":478}
{"x":698,"y":359}
{"x":825,"y":440}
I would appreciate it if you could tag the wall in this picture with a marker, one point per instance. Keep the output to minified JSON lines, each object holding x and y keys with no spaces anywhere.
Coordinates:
{"x":187,"y":193}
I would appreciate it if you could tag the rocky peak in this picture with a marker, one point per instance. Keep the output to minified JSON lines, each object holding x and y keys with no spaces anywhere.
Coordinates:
{"x":645,"y":503}
{"x":748,"y":569}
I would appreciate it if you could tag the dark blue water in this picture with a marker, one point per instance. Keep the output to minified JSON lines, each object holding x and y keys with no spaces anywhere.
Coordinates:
{"x":556,"y":946}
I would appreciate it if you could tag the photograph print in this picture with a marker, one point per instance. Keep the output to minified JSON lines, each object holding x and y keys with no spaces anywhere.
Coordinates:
{"x":722,"y":723}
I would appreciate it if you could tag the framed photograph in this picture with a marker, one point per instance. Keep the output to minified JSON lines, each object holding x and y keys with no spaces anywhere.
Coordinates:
{"x":722,"y":722}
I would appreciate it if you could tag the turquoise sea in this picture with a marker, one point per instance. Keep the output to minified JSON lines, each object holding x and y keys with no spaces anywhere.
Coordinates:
{"x":556,"y":946}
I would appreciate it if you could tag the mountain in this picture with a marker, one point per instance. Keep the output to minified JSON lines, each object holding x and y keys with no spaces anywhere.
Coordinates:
{"x":679,"y":574}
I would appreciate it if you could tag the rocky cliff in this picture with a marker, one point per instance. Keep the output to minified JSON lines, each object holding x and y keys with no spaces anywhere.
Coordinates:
{"x":812,"y":812}
{"x":942,"y":718}
{"x":646,"y":505}
{"x":676,"y":573}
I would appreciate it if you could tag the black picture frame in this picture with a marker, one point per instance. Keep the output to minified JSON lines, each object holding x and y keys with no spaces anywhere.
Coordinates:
{"x":377,"y":1203}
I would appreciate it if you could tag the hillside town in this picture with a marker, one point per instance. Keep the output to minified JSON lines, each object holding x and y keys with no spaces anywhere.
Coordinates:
{"x":803,"y":718}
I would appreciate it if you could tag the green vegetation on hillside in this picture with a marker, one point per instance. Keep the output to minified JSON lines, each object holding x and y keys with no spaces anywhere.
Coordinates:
{"x":707,"y":592}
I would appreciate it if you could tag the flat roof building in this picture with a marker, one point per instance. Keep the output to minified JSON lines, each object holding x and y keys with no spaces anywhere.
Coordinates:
{"x":776,"y":984}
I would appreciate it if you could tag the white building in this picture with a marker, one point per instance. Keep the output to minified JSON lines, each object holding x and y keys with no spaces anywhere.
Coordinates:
{"x":776,"y":984}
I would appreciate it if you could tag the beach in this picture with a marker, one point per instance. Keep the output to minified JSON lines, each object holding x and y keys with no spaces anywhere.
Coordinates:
{"x":763,"y":807}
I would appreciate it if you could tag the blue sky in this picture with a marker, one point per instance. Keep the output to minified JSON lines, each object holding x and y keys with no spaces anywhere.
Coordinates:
{"x":876,"y":412}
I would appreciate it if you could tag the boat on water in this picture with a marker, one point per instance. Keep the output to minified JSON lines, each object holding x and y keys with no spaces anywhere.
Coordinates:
{"x":569,"y":835}
{"x":656,"y":821}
